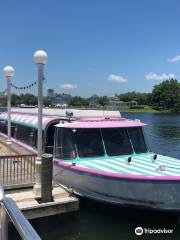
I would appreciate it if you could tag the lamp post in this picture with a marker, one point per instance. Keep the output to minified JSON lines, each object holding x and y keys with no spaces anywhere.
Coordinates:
{"x":9,"y":73}
{"x":40,"y":58}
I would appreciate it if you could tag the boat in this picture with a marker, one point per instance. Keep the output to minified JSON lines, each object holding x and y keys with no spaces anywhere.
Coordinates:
{"x":101,"y":156}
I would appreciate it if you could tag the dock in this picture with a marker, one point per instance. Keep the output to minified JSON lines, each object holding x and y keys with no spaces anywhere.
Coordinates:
{"x":17,"y":173}
{"x":32,"y":208}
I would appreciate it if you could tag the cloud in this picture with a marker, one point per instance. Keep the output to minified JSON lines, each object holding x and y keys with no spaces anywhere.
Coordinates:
{"x":68,"y":86}
{"x":117,"y":78}
{"x":174,"y":59}
{"x":161,"y":77}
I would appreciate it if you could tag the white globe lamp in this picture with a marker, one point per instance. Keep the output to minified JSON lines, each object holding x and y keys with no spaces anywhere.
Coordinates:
{"x":8,"y":71}
{"x":40,"y":57}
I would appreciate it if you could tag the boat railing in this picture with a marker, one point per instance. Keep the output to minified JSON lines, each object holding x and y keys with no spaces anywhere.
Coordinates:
{"x":10,"y":212}
{"x":17,"y":170}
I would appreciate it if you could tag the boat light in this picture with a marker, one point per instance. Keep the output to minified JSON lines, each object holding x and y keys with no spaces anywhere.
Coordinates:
{"x":128,"y":160}
{"x":154,"y":157}
{"x":161,"y":168}
{"x":137,"y":120}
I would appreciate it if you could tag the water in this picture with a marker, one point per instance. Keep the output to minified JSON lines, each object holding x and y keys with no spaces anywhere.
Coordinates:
{"x":100,"y":222}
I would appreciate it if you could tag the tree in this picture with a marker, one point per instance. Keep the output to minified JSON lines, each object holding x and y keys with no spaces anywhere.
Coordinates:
{"x":166,"y":95}
{"x":47,"y":101}
{"x":15,"y":100}
{"x":103,"y":101}
{"x":3,"y":100}
{"x":141,"y":98}
{"x":78,"y":101}
{"x":29,"y":99}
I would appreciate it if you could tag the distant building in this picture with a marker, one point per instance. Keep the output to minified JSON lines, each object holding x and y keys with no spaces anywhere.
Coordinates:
{"x":115,"y":103}
{"x":50,"y":92}
{"x":93,"y":101}
{"x":132,"y":103}
{"x":59,"y":99}
{"x":62,"y":98}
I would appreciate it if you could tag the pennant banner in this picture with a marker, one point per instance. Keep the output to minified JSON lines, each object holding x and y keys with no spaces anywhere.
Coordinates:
{"x":26,"y":87}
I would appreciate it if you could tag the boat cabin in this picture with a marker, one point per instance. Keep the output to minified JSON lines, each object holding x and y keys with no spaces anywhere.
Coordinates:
{"x":90,"y":138}
{"x":24,"y":128}
{"x":69,"y":137}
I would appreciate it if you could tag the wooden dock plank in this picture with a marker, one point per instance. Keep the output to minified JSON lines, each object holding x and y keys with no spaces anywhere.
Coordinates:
{"x":32,"y":208}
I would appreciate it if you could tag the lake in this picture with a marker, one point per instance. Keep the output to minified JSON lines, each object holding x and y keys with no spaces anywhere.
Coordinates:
{"x":100,"y":222}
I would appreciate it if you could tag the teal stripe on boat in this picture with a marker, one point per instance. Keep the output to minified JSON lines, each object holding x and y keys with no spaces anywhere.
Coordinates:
{"x":102,"y":163}
{"x":95,"y":166}
{"x":167,"y":172}
{"x":125,"y":170}
{"x":138,"y":170}
{"x":170,"y":160}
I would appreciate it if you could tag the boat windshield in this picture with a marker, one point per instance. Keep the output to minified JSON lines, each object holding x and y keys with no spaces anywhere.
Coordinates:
{"x":137,"y":139}
{"x":116,"y":141}
{"x":94,"y":142}
{"x":89,"y":142}
{"x":65,"y":148}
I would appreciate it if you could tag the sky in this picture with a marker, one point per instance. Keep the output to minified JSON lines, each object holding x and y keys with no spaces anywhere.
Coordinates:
{"x":94,"y":46}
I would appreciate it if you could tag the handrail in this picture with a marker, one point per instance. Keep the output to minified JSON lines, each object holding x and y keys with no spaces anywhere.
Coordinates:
{"x":22,"y":225}
{"x":18,"y":156}
{"x":17,"y":170}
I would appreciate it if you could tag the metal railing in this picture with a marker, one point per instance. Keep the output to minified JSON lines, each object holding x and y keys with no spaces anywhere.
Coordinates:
{"x":10,"y":211}
{"x":18,"y":170}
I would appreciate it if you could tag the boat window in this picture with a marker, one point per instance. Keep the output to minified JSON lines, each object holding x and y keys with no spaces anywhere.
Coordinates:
{"x":65,"y":144}
{"x":26,"y":134}
{"x":137,"y":139}
{"x":89,"y":143}
{"x":13,"y":127}
{"x":3,"y":126}
{"x":116,"y":141}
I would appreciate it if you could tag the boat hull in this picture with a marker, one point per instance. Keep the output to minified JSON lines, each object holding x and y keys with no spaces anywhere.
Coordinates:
{"x":154,"y":194}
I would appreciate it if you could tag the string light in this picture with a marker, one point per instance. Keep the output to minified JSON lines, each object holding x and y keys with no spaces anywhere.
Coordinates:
{"x":24,"y":87}
{"x":29,"y":86}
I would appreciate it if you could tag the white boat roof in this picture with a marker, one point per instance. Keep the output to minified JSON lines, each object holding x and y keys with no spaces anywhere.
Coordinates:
{"x":29,"y":120}
{"x":77,"y":113}
{"x":29,"y":116}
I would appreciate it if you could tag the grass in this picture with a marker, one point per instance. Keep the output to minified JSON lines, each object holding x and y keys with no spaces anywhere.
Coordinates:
{"x":146,"y":109}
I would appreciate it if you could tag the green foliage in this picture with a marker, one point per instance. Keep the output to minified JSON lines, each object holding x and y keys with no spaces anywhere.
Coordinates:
{"x":27,"y":99}
{"x":78,"y":101}
{"x":103,"y":101}
{"x":166,"y":95}
{"x":47,"y":101}
{"x":3,"y":100}
{"x":141,"y":98}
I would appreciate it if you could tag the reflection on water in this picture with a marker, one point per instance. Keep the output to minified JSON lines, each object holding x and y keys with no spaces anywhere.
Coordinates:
{"x":101,"y":222}
{"x":162,"y":132}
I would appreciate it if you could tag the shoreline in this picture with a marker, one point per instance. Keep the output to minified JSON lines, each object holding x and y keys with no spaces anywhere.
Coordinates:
{"x":135,"y":110}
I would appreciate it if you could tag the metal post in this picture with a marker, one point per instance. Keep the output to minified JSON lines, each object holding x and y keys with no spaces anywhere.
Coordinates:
{"x":9,"y":72}
{"x":40,"y":59}
{"x":37,"y":186}
{"x":9,"y":107}
{"x":40,"y":107}
{"x":46,"y":176}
